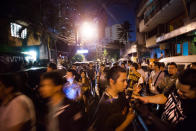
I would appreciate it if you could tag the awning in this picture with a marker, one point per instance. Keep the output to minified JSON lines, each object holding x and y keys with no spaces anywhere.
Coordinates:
{"x":182,"y":30}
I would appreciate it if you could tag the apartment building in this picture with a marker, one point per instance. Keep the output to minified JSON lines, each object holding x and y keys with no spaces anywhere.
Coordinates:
{"x":112,"y":34}
{"x":167,"y":26}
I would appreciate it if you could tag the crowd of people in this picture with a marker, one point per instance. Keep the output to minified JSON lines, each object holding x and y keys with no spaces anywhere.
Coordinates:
{"x":100,"y":97}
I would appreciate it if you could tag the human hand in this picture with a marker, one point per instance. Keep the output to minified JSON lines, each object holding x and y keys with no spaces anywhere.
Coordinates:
{"x":130,"y":114}
{"x":141,"y":98}
{"x":136,"y":89}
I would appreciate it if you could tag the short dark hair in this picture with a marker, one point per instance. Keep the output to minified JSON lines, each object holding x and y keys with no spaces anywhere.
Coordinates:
{"x":113,"y":73}
{"x":173,"y":63}
{"x":188,"y":77}
{"x":72,"y":71}
{"x":52,"y":65}
{"x":55,"y":76}
{"x":84,"y":72}
{"x":102,"y":64}
{"x":123,"y":63}
{"x":162,"y":64}
{"x":135,"y":65}
{"x":194,"y":63}
{"x":130,"y":62}
{"x":156,"y":63}
{"x":11,"y":80}
{"x":115,"y":64}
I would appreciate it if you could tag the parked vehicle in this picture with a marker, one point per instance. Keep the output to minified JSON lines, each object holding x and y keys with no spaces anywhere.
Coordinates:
{"x":182,"y":61}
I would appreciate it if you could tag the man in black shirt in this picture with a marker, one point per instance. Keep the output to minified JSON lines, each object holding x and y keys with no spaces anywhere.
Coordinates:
{"x":112,"y":111}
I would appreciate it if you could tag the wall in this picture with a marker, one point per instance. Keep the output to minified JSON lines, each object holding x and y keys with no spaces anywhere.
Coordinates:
{"x":32,"y":41}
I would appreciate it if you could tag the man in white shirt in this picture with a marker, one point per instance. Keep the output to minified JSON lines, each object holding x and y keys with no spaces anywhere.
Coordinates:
{"x":156,"y":77}
{"x":16,"y":109}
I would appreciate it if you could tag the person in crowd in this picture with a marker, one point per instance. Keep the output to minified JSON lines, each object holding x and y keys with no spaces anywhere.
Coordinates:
{"x":74,"y":67}
{"x":101,"y":79}
{"x":128,"y":66}
{"x":141,"y":71}
{"x":123,"y":65}
{"x":16,"y":109}
{"x":91,"y":75}
{"x":144,"y":75}
{"x":169,"y":80}
{"x":155,"y":56}
{"x":161,"y":57}
{"x":179,"y":103}
{"x":72,"y":89}
{"x":84,"y":83}
{"x":51,"y":67}
{"x":144,"y":63}
{"x":134,"y":76}
{"x":193,"y":65}
{"x":129,"y":63}
{"x":156,"y":78}
{"x":162,"y":66}
{"x":77,"y":75}
{"x":135,"y":81}
{"x":63,"y":114}
{"x":112,"y":111}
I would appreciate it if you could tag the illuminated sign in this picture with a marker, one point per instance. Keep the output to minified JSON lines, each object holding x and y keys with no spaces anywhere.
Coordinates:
{"x":82,"y":51}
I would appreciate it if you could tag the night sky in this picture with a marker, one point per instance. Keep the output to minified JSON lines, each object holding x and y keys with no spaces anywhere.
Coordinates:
{"x":119,"y":13}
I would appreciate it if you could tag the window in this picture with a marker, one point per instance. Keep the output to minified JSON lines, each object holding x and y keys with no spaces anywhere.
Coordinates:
{"x":15,"y":31}
{"x":185,"y":49}
{"x":178,"y":48}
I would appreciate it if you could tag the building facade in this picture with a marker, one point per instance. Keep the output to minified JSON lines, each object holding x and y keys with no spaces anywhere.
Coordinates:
{"x":112,"y":34}
{"x":167,"y":27}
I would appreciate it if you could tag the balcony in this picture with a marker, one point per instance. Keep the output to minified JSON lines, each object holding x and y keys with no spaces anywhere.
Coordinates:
{"x":182,"y":30}
{"x":154,"y":8}
{"x":160,"y":12}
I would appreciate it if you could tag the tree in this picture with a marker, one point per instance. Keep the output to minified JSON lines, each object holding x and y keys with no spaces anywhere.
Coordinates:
{"x":105,"y":53}
{"x":124,"y":31}
{"x":77,"y":58}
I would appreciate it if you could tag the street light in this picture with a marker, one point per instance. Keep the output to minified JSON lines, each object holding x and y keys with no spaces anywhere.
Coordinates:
{"x":88,"y":31}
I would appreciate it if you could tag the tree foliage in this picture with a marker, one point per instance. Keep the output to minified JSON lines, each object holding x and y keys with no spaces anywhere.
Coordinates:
{"x":124,"y":31}
{"x":77,"y":58}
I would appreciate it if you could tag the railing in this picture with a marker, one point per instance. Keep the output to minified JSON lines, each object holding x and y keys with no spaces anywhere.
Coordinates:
{"x":154,"y":8}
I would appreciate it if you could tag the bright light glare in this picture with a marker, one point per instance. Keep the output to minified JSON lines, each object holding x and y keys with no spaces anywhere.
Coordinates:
{"x":88,"y":31}
{"x":32,"y":55}
{"x":82,"y":51}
